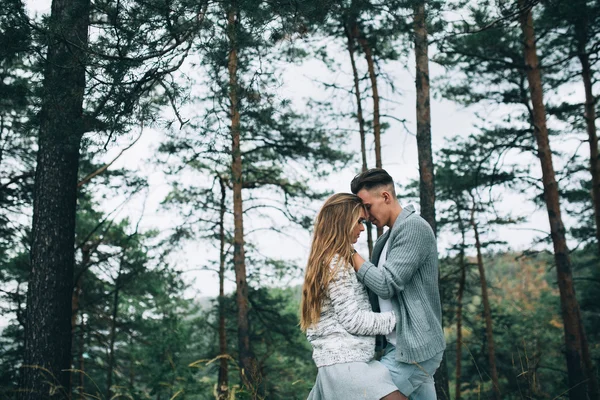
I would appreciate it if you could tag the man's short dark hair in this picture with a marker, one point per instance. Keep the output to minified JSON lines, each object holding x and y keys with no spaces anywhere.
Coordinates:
{"x":370,"y":179}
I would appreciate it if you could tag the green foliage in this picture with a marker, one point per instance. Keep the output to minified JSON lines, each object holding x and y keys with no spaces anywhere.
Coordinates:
{"x":283,"y":352}
{"x":17,"y":155}
{"x":484,"y":56}
{"x":527,"y":328}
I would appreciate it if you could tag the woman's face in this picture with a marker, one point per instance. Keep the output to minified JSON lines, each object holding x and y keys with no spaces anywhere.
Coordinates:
{"x":359,"y":226}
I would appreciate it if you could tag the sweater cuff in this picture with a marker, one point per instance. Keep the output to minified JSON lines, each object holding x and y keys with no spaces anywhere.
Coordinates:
{"x":362,"y":271}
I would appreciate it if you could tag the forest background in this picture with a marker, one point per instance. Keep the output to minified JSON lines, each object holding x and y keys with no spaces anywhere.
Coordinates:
{"x":162,"y":162}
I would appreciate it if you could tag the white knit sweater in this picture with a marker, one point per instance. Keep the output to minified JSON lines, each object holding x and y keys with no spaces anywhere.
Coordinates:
{"x":347,"y":327}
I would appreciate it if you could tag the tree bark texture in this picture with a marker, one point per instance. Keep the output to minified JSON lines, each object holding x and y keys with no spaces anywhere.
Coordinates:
{"x":582,"y":33}
{"x":364,"y":43}
{"x":249,"y":371}
{"x":573,"y":327}
{"x":49,"y":295}
{"x":80,"y":351}
{"x":487,"y":312}
{"x":113,"y":333}
{"x":76,"y":300}
{"x":361,"y":123}
{"x":459,"y":308}
{"x":357,"y":94}
{"x":590,"y":120}
{"x":223,"y":380}
{"x":426,"y":175}
{"x":426,"y":172}
{"x":590,"y":117}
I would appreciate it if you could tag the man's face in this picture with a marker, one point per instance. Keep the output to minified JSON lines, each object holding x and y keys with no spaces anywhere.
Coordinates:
{"x":377,"y":207}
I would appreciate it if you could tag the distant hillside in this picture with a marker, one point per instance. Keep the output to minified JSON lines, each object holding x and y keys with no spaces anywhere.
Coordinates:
{"x":206,"y":302}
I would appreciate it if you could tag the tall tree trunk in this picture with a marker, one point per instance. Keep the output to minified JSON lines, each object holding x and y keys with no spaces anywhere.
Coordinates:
{"x":426,"y":174}
{"x":361,"y":123}
{"x":77,"y":292}
{"x":357,"y":94}
{"x":459,"y":308}
{"x":81,"y":366}
{"x":249,"y":371}
{"x":569,"y":306}
{"x":222,"y":385}
{"x":364,"y":43}
{"x":48,"y":322}
{"x":487,"y":312}
{"x":131,"y":366}
{"x":590,"y":117}
{"x":581,"y":33}
{"x":113,"y":333}
{"x":74,"y":313}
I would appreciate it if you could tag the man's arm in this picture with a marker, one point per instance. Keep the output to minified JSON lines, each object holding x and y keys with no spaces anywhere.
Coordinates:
{"x":408,"y":250}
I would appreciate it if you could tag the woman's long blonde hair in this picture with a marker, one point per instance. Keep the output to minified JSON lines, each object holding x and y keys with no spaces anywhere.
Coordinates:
{"x":332,"y":236}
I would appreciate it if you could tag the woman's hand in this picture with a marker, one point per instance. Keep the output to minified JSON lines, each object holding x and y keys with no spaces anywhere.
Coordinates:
{"x":357,"y":260}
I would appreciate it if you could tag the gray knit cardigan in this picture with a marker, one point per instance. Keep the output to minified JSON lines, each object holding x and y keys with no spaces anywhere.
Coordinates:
{"x":347,"y":327}
{"x":409,"y":278}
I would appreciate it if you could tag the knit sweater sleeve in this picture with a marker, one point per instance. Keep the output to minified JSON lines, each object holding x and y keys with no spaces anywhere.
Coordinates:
{"x":353,"y":318}
{"x":408,"y":251}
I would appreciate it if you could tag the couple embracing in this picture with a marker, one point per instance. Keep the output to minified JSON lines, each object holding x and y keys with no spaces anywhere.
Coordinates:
{"x":350,"y":305}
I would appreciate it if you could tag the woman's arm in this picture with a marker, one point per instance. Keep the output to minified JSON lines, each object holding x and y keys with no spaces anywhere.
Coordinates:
{"x":349,"y":314}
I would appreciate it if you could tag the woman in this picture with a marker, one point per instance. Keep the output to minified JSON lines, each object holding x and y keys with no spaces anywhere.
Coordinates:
{"x":335,"y":310}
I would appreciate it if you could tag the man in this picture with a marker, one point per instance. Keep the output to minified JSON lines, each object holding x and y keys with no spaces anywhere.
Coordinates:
{"x":403,"y":277}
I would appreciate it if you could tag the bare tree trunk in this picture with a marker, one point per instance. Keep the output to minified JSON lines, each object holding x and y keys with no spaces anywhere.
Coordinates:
{"x":486,"y":307}
{"x":222,"y":385}
{"x":590,"y":117}
{"x":249,"y":371}
{"x":426,"y":173}
{"x":47,"y":355}
{"x":361,"y":124}
{"x":581,"y":33}
{"x":590,"y":370}
{"x":569,"y":306}
{"x":77,"y":292}
{"x":81,"y":360}
{"x":590,"y":120}
{"x":74,"y":314}
{"x":461,"y":290}
{"x":76,"y":296}
{"x":364,"y":43}
{"x":131,"y":365}
{"x":113,"y":334}
{"x":427,"y":180}
{"x":357,"y":94}
{"x":3,"y":139}
{"x":85,"y":259}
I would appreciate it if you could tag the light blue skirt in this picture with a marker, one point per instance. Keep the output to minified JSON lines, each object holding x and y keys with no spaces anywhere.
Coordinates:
{"x":352,"y":381}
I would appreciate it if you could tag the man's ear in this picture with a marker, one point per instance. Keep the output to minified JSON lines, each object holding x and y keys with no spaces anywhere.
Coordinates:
{"x":387,"y":197}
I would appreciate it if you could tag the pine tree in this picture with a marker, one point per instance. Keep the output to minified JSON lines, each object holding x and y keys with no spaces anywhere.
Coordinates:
{"x":467,"y":170}
{"x":579,"y":22}
{"x":524,"y":88}
{"x":116,"y":92}
{"x":48,"y":323}
{"x":576,"y":344}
